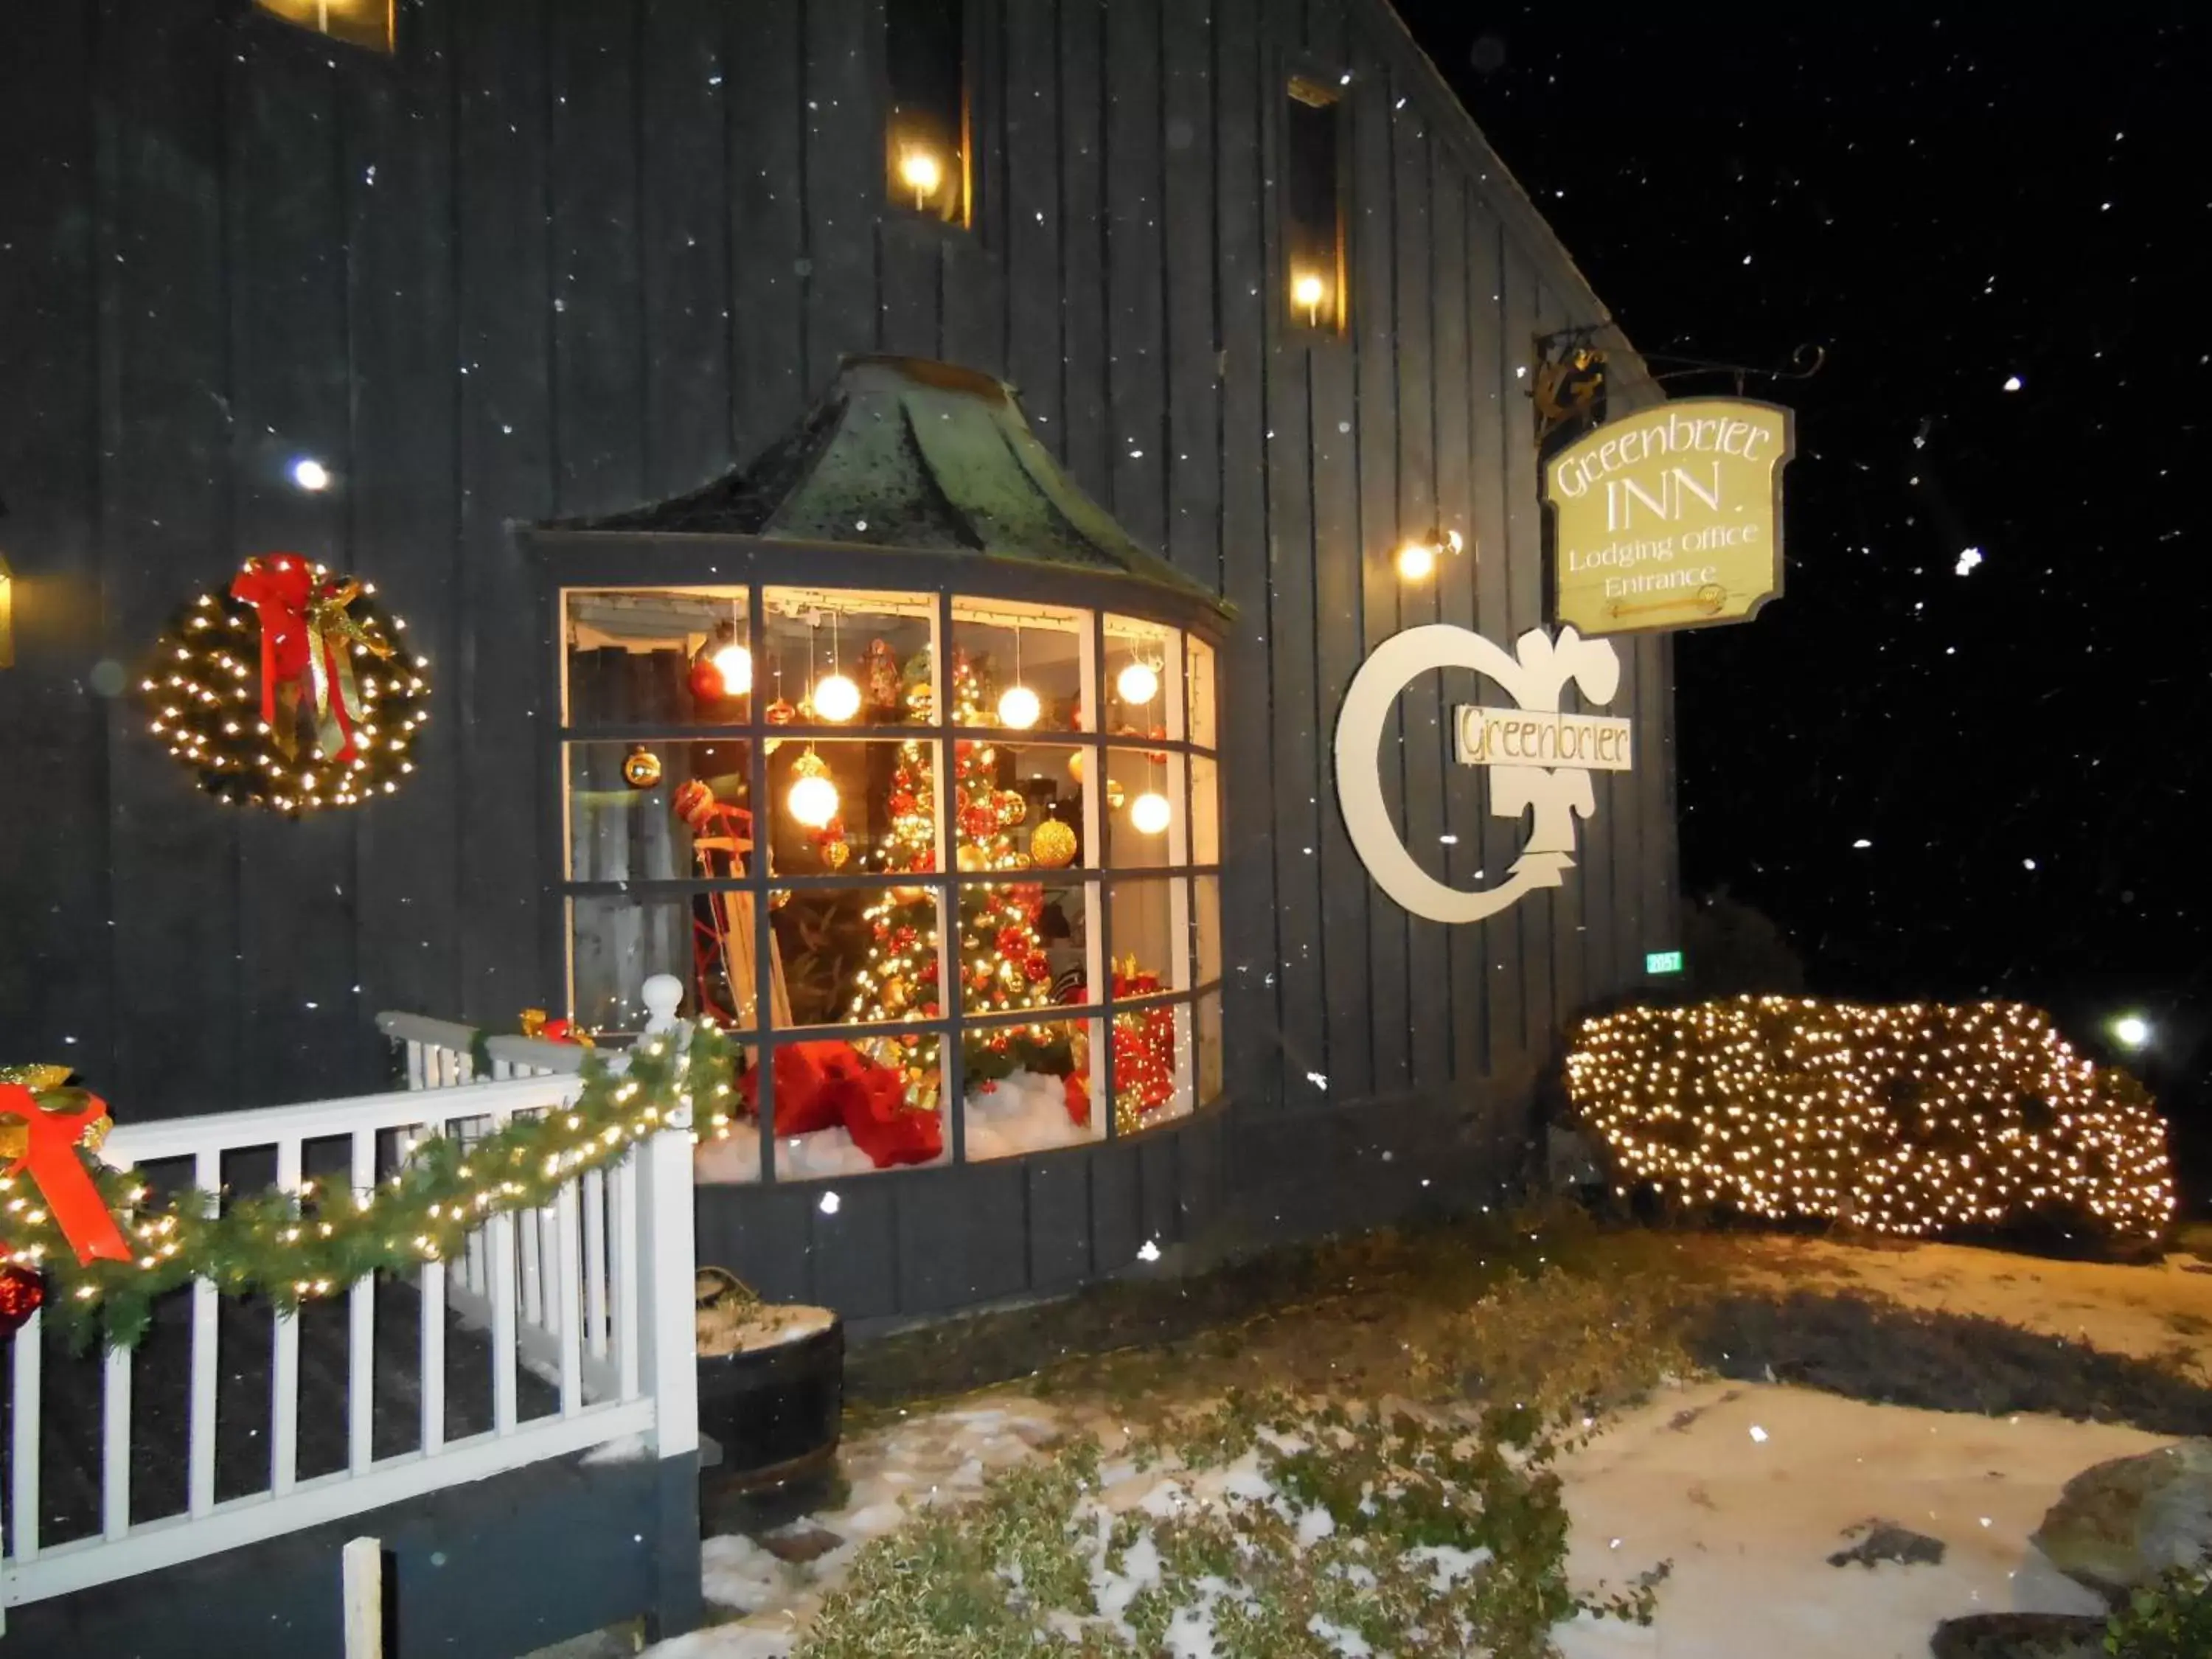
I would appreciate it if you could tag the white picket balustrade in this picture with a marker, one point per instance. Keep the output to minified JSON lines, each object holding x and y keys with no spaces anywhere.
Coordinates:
{"x":605,"y":1320}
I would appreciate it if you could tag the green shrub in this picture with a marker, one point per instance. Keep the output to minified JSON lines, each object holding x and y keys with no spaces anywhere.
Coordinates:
{"x":2171,"y":1619}
{"x":1914,"y":1119}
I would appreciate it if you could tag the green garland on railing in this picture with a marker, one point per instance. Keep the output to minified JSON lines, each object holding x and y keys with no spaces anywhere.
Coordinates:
{"x":288,"y":1247}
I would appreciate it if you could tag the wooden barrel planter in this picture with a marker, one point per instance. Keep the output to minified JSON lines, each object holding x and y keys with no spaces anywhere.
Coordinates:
{"x":771,"y":1383}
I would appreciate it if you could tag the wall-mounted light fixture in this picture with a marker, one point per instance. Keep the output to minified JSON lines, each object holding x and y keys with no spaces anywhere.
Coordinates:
{"x":7,"y":614}
{"x":1417,"y":558}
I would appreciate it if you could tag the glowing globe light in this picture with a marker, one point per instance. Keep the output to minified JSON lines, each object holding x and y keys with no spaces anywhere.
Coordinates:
{"x":1149,"y":813}
{"x":735,"y":665}
{"x":2131,"y":1031}
{"x":1137,"y":683}
{"x":921,"y":172}
{"x":836,"y":698}
{"x":813,"y":800}
{"x":310,"y":475}
{"x":1417,"y":561}
{"x":1019,"y":708}
{"x":1308,"y":291}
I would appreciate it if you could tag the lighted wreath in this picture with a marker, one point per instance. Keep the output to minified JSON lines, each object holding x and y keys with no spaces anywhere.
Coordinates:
{"x":293,"y":691}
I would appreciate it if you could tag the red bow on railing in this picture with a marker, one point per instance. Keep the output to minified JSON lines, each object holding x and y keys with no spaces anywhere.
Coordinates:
{"x":307,"y":637}
{"x":46,"y":1146}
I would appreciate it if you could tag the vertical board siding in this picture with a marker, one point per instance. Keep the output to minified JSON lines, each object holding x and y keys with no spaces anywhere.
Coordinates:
{"x":56,"y":980}
{"x":1136,"y":321}
{"x":397,"y":131}
{"x":166,"y":533}
{"x":766,"y":53}
{"x":302,"y":1029}
{"x":1568,"y":933}
{"x":1373,"y":265}
{"x":507,"y":460}
{"x":684,"y":239}
{"x":554,"y":258}
{"x":1252,"y":1017}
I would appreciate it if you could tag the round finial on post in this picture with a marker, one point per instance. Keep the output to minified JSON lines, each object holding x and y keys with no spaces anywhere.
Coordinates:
{"x":664,"y":994}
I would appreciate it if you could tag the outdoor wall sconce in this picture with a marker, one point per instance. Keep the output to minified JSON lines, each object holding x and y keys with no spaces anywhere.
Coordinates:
{"x":1308,"y":291}
{"x":7,"y":614}
{"x":1417,"y":559}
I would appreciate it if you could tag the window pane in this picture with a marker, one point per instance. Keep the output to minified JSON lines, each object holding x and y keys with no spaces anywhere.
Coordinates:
{"x":1206,"y":927}
{"x":852,"y":805}
{"x":1152,"y":1082}
{"x":1144,"y":671}
{"x":1024,"y":945}
{"x":878,"y":644}
{"x":1029,"y":1087}
{"x":1002,"y":648}
{"x":617,"y":943}
{"x":357,"y":23}
{"x":1143,"y":809}
{"x":1204,"y":809}
{"x":1209,"y":1049}
{"x":841,"y":1108}
{"x":1022,"y":787}
{"x":925,"y":139}
{"x":1198,"y":656}
{"x":659,"y":810}
{"x":1149,"y":934}
{"x":855,"y":956}
{"x":658,"y":657}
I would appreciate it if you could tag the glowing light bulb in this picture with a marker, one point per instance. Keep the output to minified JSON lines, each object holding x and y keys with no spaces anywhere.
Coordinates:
{"x":1019,"y":707}
{"x":310,"y":474}
{"x":1149,"y":813}
{"x":836,"y":698}
{"x":1417,"y":561}
{"x":813,"y":798}
{"x":735,"y":665}
{"x":2132,"y":1030}
{"x":921,"y":172}
{"x":1308,"y":290}
{"x":1137,"y":683}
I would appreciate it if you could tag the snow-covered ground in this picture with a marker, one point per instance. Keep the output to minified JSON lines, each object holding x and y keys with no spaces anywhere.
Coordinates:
{"x":1749,"y":1489}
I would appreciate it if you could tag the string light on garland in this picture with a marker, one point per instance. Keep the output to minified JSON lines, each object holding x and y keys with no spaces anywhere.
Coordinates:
{"x":291,"y":690}
{"x":1917,"y":1119}
{"x":310,"y":1243}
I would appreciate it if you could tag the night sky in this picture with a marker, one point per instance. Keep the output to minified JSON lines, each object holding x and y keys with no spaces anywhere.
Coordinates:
{"x":1966,"y":751}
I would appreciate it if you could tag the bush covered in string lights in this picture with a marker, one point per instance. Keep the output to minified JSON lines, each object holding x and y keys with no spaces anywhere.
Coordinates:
{"x":1915,"y":1119}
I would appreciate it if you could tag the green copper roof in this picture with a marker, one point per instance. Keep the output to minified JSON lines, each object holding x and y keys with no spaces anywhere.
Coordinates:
{"x":904,"y":453}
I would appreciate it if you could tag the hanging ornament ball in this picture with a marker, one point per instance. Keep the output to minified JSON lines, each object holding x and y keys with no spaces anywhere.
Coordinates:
{"x":1012,"y":808}
{"x":1115,"y":795}
{"x":1150,"y":812}
{"x":1019,"y":708}
{"x":1052,"y":844}
{"x":909,"y":895}
{"x":705,"y":682}
{"x":895,"y":996}
{"x":734,"y":664}
{"x":21,"y":1292}
{"x":641,"y":768}
{"x":1137,"y":683}
{"x":836,"y":699}
{"x":1014,"y":941}
{"x":813,"y":798}
{"x":1037,"y":968}
{"x":837,"y":853}
{"x":781,"y":713}
{"x":1075,"y":766}
{"x":288,"y":689}
{"x":979,"y":821}
{"x":972,"y":857}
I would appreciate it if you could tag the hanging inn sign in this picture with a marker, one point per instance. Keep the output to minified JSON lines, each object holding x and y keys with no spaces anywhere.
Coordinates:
{"x":1669,"y":518}
{"x":1538,"y":758}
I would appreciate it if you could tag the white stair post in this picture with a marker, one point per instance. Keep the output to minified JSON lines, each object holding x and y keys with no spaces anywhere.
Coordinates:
{"x":665,"y":1245}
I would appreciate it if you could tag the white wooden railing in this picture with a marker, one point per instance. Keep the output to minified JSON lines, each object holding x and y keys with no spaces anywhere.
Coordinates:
{"x":593,"y":1293}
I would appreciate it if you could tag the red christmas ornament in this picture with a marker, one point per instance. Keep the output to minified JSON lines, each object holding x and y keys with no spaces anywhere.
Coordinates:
{"x":1011,"y":941}
{"x":21,"y":1292}
{"x":902,"y":803}
{"x":1037,"y":968}
{"x":978,"y":823}
{"x":705,"y":681}
{"x":928,"y":975}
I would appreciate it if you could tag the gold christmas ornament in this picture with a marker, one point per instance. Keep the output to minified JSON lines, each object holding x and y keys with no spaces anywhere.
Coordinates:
{"x":1012,"y":808}
{"x":835,"y":854}
{"x":973,"y":857}
{"x":1052,"y":844}
{"x":1115,"y":795}
{"x":641,"y":768}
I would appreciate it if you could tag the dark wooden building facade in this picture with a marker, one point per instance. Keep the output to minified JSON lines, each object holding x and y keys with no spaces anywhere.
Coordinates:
{"x":549,"y":260}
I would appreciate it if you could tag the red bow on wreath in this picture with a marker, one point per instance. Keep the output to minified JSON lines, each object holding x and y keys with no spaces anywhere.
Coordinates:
{"x":45,"y":1144}
{"x":307,"y":640}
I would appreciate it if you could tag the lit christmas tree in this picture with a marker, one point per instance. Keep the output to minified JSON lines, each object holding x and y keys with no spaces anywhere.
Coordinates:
{"x":1001,"y":958}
